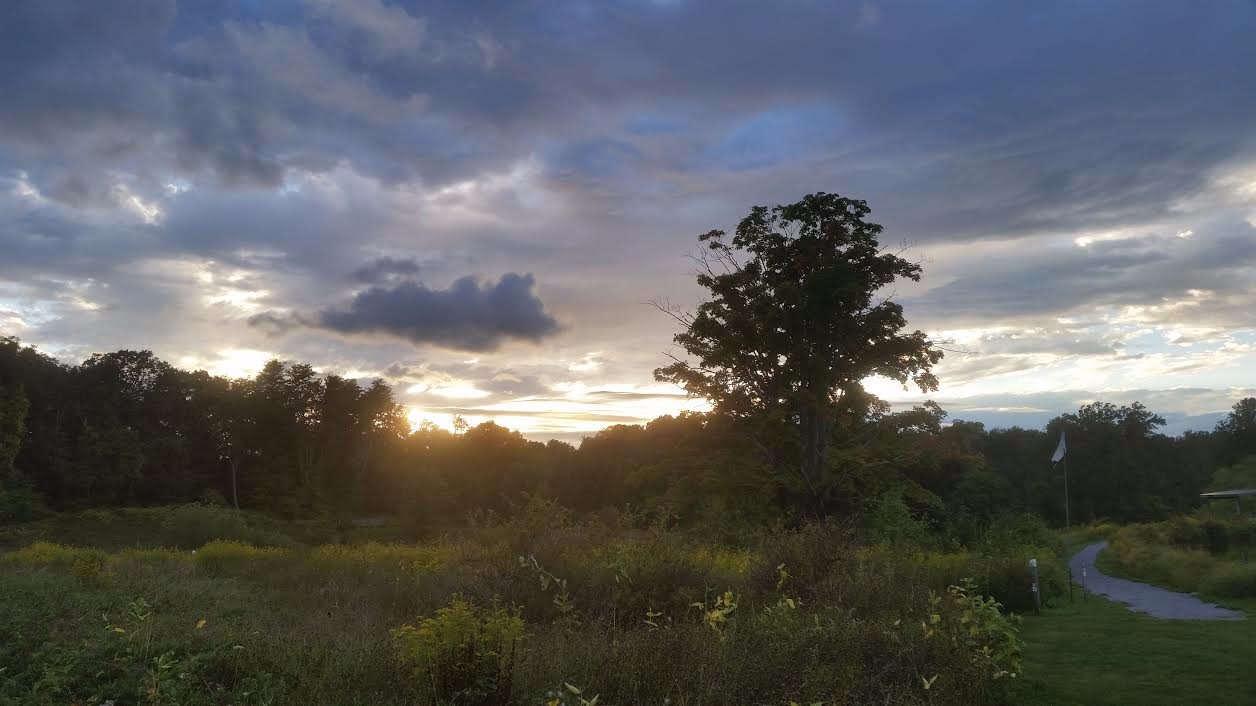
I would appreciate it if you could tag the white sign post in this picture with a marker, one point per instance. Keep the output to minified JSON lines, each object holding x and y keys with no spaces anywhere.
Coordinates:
{"x":1033,"y":575}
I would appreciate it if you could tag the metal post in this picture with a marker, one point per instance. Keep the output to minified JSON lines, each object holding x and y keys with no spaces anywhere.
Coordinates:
{"x":1033,"y":575}
{"x":1067,"y":519}
{"x":1084,"y":582}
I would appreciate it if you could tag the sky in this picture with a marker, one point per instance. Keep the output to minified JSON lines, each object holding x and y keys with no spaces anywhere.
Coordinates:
{"x":480,"y":201}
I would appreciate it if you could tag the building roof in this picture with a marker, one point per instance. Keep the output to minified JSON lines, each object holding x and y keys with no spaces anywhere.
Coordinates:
{"x":1229,"y":493}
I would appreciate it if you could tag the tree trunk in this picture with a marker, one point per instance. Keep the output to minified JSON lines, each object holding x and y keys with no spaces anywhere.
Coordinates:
{"x":235,"y":499}
{"x":813,"y":429}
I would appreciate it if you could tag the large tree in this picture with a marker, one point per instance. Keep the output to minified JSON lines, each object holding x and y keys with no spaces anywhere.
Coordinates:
{"x":1238,"y":431}
{"x":17,"y":497}
{"x":799,"y":315}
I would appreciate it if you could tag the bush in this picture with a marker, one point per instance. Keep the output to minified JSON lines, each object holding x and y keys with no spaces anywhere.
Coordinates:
{"x":1004,"y":576}
{"x":234,"y":556}
{"x":191,"y":526}
{"x":377,"y":557}
{"x":463,"y":652}
{"x":1150,"y":553}
{"x":1230,"y":580}
{"x":52,"y":553}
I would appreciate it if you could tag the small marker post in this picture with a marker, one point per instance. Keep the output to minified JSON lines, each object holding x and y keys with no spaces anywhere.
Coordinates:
{"x":1033,"y":575}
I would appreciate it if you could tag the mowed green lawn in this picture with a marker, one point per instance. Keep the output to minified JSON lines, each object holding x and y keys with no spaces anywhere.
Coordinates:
{"x":1098,"y":652}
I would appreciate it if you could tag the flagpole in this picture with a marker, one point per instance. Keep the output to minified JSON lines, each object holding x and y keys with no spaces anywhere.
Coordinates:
{"x":1067,"y":519}
{"x":1060,"y":456}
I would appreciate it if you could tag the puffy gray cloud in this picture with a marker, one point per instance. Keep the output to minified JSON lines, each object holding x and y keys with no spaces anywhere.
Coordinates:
{"x":466,"y":316}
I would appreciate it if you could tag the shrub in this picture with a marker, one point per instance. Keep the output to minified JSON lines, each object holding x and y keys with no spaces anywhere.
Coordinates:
{"x":154,"y":555}
{"x":52,"y":553}
{"x":1143,"y":552}
{"x":191,"y":526}
{"x":374,"y":556}
{"x":463,"y":651}
{"x":1231,"y":580}
{"x":1004,"y":576}
{"x":233,"y":556}
{"x":979,"y":625}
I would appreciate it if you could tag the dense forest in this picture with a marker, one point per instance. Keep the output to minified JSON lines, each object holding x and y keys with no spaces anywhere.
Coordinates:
{"x":126,"y":428}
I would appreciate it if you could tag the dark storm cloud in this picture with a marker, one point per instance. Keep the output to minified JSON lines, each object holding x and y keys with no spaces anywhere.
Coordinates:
{"x":381,"y":269}
{"x":467,"y":316}
{"x":274,"y":323}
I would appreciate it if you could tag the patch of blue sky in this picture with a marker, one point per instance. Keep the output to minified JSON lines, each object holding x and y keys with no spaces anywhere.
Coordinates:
{"x":31,"y":313}
{"x":193,"y":18}
{"x":649,"y":125}
{"x":772,"y":137}
{"x":1150,"y":341}
{"x":604,"y":158}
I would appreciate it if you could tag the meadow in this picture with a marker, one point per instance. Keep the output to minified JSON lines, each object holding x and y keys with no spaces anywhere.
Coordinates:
{"x":539,"y":609}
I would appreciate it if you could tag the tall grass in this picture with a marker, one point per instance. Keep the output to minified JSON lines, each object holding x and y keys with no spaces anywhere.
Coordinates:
{"x":1211,"y":557}
{"x":631,"y":617}
{"x":181,"y":526}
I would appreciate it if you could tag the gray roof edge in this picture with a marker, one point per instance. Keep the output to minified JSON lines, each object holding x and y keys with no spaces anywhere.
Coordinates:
{"x":1229,"y":493}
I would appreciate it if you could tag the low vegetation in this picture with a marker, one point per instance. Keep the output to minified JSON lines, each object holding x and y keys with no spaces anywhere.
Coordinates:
{"x":528,"y":611}
{"x":1214,"y":557}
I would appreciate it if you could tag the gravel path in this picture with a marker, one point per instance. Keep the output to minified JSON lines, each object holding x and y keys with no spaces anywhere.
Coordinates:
{"x":1142,"y":597}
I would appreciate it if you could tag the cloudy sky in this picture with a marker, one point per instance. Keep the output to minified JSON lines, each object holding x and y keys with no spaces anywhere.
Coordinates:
{"x":478,"y":200}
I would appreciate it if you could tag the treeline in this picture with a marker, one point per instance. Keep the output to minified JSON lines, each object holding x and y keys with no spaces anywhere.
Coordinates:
{"x":127,"y":428}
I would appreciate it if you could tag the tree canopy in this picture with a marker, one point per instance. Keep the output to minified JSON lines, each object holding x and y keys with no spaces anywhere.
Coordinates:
{"x":798,"y":317}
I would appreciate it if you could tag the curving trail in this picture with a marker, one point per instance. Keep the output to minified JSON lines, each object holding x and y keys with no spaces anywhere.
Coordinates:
{"x":1144,"y":598}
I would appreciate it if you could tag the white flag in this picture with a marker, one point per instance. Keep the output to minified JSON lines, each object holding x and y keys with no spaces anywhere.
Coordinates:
{"x":1059,"y":450}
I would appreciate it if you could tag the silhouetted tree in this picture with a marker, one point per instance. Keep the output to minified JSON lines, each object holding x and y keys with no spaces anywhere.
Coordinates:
{"x":798,"y":317}
{"x":1238,"y":431}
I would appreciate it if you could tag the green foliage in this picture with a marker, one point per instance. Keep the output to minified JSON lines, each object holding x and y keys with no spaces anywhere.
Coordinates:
{"x":371,"y":557}
{"x":51,"y":553}
{"x":793,"y":327}
{"x":190,"y":526}
{"x":563,"y":603}
{"x":463,"y":653}
{"x":13,"y":407}
{"x":1236,"y":476}
{"x":180,"y":526}
{"x":1238,"y":431}
{"x":232,"y":556}
{"x":978,"y":623}
{"x":1209,"y":557}
{"x":715,"y":614}
{"x":18,"y":499}
{"x":800,"y":615}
